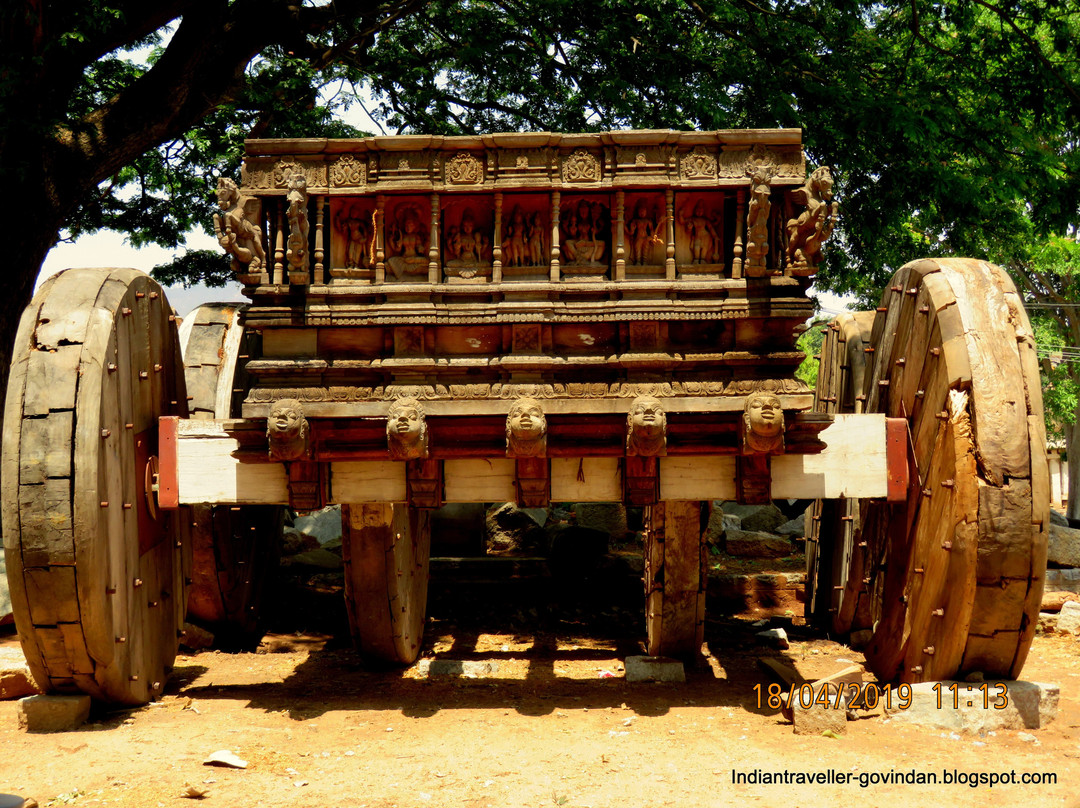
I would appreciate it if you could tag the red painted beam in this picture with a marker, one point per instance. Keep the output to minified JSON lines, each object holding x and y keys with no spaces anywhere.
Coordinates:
{"x":168,"y":493}
{"x":896,"y":458}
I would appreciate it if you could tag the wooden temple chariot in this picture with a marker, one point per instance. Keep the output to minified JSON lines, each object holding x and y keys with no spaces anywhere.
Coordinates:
{"x":527,"y":317}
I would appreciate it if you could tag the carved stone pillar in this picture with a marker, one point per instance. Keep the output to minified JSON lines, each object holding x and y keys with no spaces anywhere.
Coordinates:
{"x":320,"y":246}
{"x":279,"y":245}
{"x":434,"y":268}
{"x":620,"y":245}
{"x":380,"y":239}
{"x":556,"y":198}
{"x":496,"y":241}
{"x":669,"y":260}
{"x":740,"y":221}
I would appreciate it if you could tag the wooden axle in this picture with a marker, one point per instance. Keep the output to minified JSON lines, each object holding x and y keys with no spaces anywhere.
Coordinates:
{"x":202,"y":461}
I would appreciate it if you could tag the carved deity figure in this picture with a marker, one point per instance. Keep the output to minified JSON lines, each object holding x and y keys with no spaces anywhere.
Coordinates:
{"x":536,"y":240}
{"x":354,"y":227}
{"x":811,"y":228}
{"x":237,"y":234}
{"x":646,"y":428}
{"x":467,"y":247}
{"x":515,"y":246}
{"x":757,"y":222}
{"x":583,"y":242}
{"x":406,"y":430}
{"x":408,"y":242}
{"x":526,"y":429}
{"x":763,"y":424}
{"x":701,"y":233}
{"x":296,"y":199}
{"x":287,"y":430}
{"x":643,"y":231}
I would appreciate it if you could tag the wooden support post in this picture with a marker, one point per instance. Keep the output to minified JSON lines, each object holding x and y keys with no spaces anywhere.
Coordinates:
{"x":642,"y":480}
{"x":674,"y":579}
{"x":753,"y":482}
{"x":424,"y":480}
{"x":306,"y":485}
{"x":533,"y":482}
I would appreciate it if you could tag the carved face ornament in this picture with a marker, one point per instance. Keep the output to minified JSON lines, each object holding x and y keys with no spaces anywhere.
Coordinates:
{"x":285,"y":421}
{"x":405,"y":423}
{"x":766,"y":415}
{"x":527,"y":422}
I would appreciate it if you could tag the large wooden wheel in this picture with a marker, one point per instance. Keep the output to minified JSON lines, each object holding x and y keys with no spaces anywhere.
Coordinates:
{"x":674,"y":579}
{"x":386,"y":548}
{"x":96,"y":570}
{"x":235,"y":549}
{"x":950,"y":582}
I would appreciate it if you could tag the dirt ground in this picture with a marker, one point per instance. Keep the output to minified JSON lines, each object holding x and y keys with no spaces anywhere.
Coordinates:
{"x":555,"y":725}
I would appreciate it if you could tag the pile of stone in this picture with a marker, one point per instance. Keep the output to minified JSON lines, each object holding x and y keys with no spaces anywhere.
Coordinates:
{"x":1061,"y":598}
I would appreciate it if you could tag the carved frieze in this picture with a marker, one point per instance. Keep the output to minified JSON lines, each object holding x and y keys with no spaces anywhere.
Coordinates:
{"x":698,"y":164}
{"x":464,"y":169}
{"x":788,"y":163}
{"x":580,"y":166}
{"x":347,"y":172}
{"x":540,"y":391}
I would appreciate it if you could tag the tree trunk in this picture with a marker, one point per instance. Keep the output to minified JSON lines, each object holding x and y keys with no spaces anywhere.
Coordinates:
{"x":1072,"y":452}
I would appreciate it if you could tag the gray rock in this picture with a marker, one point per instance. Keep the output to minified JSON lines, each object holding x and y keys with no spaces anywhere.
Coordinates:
{"x":1063,"y":580}
{"x":5,"y":595}
{"x":53,"y":713}
{"x":719,"y":524}
{"x":774,"y":638}
{"x":818,"y":718}
{"x":751,"y":544}
{"x":456,"y":667}
{"x":1032,"y":705}
{"x":196,"y":637}
{"x":606,"y":517}
{"x":1068,"y":619}
{"x":795,"y":528}
{"x":654,"y":669}
{"x":1057,"y":518}
{"x":1063,"y":546}
{"x":511,"y":529}
{"x":756,"y":517}
{"x":323,"y":525}
{"x":15,"y":678}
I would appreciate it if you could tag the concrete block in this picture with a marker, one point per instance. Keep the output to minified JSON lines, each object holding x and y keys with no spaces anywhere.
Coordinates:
{"x":654,"y":669}
{"x":1031,"y":705}
{"x":53,"y":713}
{"x":15,"y":678}
{"x":456,"y":667}
{"x":1068,"y":619}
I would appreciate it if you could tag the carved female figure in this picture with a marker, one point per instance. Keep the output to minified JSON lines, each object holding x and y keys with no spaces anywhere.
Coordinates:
{"x":406,"y":430}
{"x":296,"y":213}
{"x":407,"y":239}
{"x":703,"y":238}
{"x":515,"y":245}
{"x":583,"y":244}
{"x":757,"y":223}
{"x":763,"y":424}
{"x":287,"y":430}
{"x":642,"y":229}
{"x":646,"y":428}
{"x":536,"y":240}
{"x":526,"y":429}
{"x":353,"y":226}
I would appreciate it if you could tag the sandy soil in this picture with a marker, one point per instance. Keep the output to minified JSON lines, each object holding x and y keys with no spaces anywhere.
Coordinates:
{"x":550,"y":727}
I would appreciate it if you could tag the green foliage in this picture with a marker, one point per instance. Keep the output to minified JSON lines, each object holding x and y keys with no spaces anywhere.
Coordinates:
{"x":809,"y":343}
{"x":208,"y":267}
